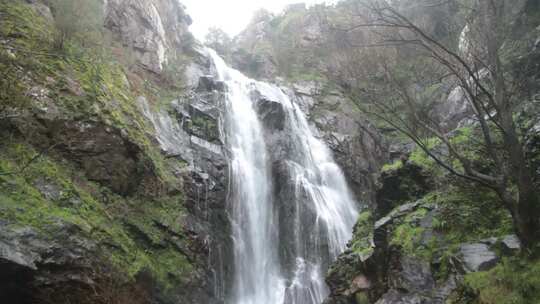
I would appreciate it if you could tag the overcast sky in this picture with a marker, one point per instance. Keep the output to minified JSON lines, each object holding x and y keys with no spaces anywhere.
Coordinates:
{"x":232,"y":16}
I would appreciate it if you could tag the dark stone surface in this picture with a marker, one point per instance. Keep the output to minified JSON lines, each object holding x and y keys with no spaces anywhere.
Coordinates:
{"x":102,"y":152}
{"x":399,"y":186}
{"x":30,"y":261}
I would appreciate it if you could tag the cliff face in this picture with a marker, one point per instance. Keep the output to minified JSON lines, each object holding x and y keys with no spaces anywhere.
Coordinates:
{"x":157,"y":31}
{"x":98,"y":205}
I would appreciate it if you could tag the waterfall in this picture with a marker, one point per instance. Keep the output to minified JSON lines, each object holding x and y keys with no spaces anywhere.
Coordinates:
{"x":285,"y":231}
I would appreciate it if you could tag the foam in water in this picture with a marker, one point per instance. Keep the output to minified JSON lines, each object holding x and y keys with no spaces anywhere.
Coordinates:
{"x":322,"y":211}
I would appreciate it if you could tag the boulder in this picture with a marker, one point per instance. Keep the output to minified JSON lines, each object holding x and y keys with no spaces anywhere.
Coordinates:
{"x":398,"y":297}
{"x":477,"y":257}
{"x":399,"y":186}
{"x":413,"y":275}
{"x":207,"y":83}
{"x":31,"y":261}
{"x":272,"y":114}
{"x":510,"y":245}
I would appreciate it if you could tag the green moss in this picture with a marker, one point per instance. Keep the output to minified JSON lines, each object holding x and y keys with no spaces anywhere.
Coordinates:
{"x":422,"y":159}
{"x":169,"y":264}
{"x":22,"y":22}
{"x":407,"y":234}
{"x":361,"y":243}
{"x":23,"y":204}
{"x":391,"y":167}
{"x":85,"y":81}
{"x":361,"y":298}
{"x":468,"y":213}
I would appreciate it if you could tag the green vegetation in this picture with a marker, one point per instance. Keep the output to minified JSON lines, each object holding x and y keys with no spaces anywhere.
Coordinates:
{"x":72,"y":66}
{"x":46,"y":192}
{"x":363,"y":234}
{"x":408,"y":235}
{"x":82,"y":19}
{"x":34,"y":32}
{"x":513,"y":281}
{"x":85,"y":81}
{"x":394,"y":166}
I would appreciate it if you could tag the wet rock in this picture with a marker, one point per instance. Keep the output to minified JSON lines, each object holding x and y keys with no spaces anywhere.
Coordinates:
{"x":477,"y":257}
{"x":412,"y":275}
{"x":397,"y":213}
{"x":103,"y":153}
{"x":272,"y":114}
{"x":510,"y":245}
{"x":341,"y":276}
{"x":189,"y":133}
{"x":34,"y":261}
{"x":399,"y":186}
{"x":207,"y":83}
{"x":307,"y":88}
{"x":169,"y":135}
{"x":47,"y":261}
{"x":200,"y":118}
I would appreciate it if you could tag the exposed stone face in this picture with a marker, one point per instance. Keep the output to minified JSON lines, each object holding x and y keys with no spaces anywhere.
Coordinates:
{"x":189,"y":132}
{"x":399,"y":186}
{"x":102,"y":152}
{"x":394,"y":273}
{"x":29,"y":261}
{"x":510,"y":244}
{"x":357,"y":146}
{"x":157,"y":31}
{"x":250,"y":55}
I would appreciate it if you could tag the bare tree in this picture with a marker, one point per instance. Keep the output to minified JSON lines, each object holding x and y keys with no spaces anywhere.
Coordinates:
{"x":77,"y":17}
{"x":219,"y":40}
{"x":481,"y":69}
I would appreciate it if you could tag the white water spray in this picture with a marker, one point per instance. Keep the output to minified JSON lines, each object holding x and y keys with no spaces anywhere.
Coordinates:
{"x":320,"y":209}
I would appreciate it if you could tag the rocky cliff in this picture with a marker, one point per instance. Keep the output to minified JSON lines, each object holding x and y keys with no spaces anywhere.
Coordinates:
{"x":113,"y":173}
{"x":112,"y":182}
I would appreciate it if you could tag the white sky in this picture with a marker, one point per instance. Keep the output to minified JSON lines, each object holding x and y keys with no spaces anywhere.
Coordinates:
{"x":232,"y":16}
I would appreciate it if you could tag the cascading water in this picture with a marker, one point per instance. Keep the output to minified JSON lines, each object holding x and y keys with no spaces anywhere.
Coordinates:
{"x":257,"y":277}
{"x":283,"y":242}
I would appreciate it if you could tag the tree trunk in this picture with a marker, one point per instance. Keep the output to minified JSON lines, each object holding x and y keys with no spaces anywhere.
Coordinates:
{"x":528,"y":213}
